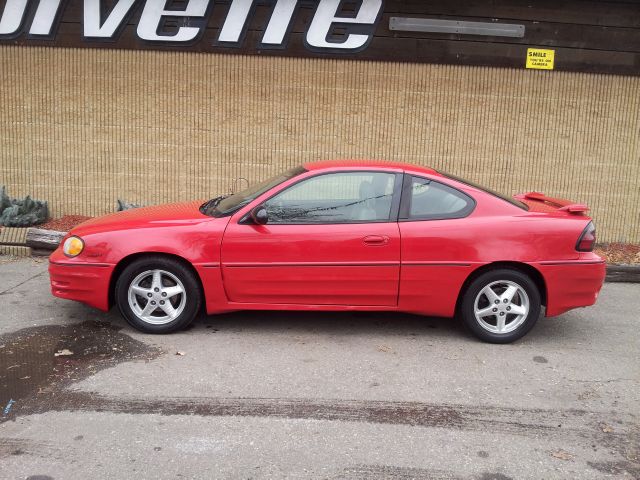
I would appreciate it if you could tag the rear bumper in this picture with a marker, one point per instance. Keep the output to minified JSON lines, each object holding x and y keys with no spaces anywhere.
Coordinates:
{"x":84,"y":282}
{"x":572,"y":284}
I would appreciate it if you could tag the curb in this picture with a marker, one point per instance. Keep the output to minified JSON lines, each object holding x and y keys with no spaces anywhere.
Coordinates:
{"x":28,"y":241}
{"x":13,"y":241}
{"x":623,"y":273}
{"x":16,"y":250}
{"x":13,"y":236}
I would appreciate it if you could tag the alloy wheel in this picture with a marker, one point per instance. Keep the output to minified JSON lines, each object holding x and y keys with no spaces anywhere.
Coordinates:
{"x":157,"y":297}
{"x":501,"y":306}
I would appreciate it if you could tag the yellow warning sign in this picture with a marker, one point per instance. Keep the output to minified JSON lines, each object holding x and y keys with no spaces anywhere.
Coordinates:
{"x":540,"y":58}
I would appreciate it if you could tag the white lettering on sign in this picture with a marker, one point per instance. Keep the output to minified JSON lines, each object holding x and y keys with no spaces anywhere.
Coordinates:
{"x":92,"y":27}
{"x":276,"y":29}
{"x":192,"y":21}
{"x":279,"y":22}
{"x":235,"y":21}
{"x":326,"y":16}
{"x":12,"y":16}
{"x":45,"y":15}
{"x":42,"y":23}
{"x":152,"y":15}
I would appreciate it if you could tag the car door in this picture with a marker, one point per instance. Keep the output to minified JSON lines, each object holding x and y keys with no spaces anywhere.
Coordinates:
{"x":437,"y":245}
{"x":331,"y":239}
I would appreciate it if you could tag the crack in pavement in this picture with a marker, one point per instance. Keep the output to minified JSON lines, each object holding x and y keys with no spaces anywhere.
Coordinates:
{"x":22,"y":283}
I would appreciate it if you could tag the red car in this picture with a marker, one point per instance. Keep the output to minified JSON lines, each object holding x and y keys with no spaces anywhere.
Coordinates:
{"x":337,"y":236}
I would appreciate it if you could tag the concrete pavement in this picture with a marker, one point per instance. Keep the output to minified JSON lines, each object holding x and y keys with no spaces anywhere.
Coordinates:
{"x":314,"y":395}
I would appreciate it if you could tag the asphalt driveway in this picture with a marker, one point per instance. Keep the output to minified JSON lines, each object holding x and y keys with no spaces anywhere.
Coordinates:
{"x":313,"y":395}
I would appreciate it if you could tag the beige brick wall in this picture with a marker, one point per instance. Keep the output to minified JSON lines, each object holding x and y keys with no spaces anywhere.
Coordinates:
{"x":81,"y":128}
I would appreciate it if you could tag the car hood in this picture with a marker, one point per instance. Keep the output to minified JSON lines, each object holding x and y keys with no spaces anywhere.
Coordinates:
{"x":174,"y":214}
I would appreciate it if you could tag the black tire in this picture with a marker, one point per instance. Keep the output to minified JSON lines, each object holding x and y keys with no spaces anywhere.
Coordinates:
{"x":500,"y":279}
{"x":172,"y":274}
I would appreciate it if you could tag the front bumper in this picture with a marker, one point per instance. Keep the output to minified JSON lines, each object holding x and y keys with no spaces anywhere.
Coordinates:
{"x":84,"y":282}
{"x":572,"y":284}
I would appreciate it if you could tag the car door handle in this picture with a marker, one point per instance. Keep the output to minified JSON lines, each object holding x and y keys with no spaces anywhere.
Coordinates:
{"x":375,"y":240}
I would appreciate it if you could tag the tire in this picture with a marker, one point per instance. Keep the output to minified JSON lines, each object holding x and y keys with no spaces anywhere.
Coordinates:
{"x":169,"y":283}
{"x":502,"y":322}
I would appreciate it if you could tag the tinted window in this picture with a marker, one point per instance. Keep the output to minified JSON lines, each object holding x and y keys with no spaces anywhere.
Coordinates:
{"x":345,"y":197}
{"x":433,"y":200}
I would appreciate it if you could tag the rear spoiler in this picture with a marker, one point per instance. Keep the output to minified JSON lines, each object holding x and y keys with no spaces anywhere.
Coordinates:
{"x":559,"y":203}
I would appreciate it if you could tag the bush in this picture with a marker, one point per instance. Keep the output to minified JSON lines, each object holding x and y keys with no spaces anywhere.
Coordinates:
{"x":124,"y":205}
{"x":24,"y":212}
{"x":5,"y":201}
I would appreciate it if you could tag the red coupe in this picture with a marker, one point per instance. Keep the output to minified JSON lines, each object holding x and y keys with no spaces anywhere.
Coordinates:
{"x":340,"y":236}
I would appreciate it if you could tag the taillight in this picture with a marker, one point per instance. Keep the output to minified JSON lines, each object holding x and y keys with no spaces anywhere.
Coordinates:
{"x":587,"y":239}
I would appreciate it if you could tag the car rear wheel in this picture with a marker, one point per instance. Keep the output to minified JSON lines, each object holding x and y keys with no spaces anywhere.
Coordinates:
{"x":501,"y":305}
{"x":158,"y":295}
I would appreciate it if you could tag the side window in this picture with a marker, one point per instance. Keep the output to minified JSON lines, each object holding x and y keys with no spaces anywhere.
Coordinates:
{"x":430,"y":200}
{"x":343,"y":197}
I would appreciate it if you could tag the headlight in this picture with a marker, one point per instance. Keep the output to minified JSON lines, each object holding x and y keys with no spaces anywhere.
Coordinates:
{"x":73,"y":246}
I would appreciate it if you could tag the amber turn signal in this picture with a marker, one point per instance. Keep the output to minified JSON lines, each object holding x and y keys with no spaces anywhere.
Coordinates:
{"x":73,"y":246}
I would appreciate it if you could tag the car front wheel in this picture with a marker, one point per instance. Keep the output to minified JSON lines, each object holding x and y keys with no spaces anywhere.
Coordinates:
{"x":501,"y":305}
{"x":158,"y":294}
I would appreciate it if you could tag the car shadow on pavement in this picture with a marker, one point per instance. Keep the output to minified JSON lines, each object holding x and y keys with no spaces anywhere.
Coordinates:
{"x":335,"y":323}
{"x":267,"y":321}
{"x":562,"y":329}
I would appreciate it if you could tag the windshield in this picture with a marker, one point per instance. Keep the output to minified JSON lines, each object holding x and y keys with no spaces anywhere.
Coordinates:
{"x":506,"y":198}
{"x":227,"y":205}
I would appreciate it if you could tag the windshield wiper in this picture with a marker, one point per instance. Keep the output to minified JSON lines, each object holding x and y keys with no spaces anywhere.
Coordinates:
{"x":207,"y":207}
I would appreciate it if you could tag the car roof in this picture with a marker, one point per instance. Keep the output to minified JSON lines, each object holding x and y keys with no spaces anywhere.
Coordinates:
{"x":368,"y":163}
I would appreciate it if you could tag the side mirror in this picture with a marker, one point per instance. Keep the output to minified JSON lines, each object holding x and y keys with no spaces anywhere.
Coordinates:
{"x":259,"y":215}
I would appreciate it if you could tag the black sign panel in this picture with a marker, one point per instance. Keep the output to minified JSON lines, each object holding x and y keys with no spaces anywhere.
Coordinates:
{"x":584,"y":35}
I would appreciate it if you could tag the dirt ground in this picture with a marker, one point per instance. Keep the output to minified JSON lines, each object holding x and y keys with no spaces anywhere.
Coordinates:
{"x":64,"y":224}
{"x":619,"y":253}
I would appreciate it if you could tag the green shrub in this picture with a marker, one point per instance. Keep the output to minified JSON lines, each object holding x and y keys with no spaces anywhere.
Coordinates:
{"x":24,"y":212}
{"x":124,"y":205}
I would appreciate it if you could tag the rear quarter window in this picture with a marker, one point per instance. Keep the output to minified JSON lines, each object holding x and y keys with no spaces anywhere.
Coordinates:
{"x":425,"y":199}
{"x":506,"y":198}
